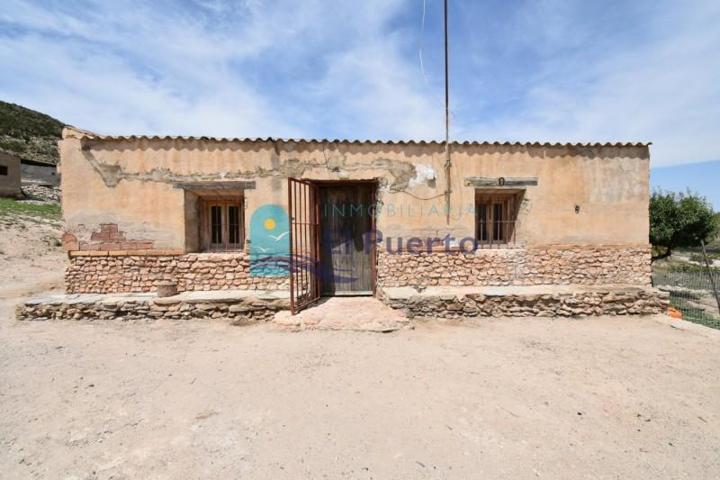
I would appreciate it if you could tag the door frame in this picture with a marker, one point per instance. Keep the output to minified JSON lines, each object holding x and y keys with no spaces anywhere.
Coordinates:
{"x":373,"y":184}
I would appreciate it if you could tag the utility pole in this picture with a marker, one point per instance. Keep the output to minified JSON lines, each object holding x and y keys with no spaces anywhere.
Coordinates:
{"x":447,"y":124}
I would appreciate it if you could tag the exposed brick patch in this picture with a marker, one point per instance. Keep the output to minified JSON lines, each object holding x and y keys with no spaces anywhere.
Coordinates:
{"x":107,"y":232}
{"x":69,"y":242}
{"x":110,"y":238}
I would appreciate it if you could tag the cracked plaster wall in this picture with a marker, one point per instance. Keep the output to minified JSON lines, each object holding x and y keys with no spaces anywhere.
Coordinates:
{"x":131,"y":183}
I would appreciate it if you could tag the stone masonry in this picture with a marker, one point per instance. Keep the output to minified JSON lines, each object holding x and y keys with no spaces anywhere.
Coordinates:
{"x":237,"y":307}
{"x":555,"y":265}
{"x":108,"y":273}
{"x":563,"y":301}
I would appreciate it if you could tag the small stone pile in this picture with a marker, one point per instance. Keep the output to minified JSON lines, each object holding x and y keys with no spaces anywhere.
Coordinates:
{"x":43,"y":193}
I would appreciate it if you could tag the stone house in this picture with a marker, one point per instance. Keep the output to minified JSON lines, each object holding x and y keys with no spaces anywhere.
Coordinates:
{"x":10,"y":185}
{"x":330,"y":217}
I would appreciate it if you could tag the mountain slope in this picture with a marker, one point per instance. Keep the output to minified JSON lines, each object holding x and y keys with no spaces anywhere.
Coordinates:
{"x":29,"y":134}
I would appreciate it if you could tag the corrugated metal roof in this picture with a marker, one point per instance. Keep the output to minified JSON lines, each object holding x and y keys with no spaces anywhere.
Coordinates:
{"x":126,"y":138}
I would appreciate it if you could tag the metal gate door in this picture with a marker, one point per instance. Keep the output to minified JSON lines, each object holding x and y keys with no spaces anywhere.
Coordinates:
{"x":304,"y":243}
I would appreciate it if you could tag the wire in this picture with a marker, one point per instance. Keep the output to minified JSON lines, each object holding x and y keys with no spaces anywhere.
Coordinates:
{"x":420,"y":50}
{"x":422,"y":198}
{"x":435,"y":98}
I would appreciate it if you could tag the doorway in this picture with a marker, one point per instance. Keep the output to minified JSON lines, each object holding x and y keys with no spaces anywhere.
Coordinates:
{"x":347,"y":251}
{"x":332,"y":240}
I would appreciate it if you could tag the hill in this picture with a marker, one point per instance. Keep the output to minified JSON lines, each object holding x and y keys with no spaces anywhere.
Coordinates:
{"x":29,"y":134}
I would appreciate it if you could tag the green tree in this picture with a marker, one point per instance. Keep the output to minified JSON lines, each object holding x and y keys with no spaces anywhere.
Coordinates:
{"x":680,"y":220}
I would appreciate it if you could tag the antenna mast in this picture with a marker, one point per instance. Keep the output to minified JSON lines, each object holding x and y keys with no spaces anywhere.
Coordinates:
{"x":447,"y":124}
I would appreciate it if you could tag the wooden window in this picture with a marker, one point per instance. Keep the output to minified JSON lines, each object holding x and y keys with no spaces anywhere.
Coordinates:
{"x":495,"y":215}
{"x":222,"y":225}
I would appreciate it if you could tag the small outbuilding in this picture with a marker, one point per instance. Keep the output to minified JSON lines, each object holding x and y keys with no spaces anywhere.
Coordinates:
{"x":9,"y":175}
{"x":39,"y":173}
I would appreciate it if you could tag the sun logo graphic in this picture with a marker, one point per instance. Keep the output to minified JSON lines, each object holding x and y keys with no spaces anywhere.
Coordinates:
{"x":269,"y":242}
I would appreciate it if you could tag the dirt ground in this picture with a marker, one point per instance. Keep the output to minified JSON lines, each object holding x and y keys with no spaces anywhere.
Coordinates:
{"x":600,"y":398}
{"x":31,"y":258}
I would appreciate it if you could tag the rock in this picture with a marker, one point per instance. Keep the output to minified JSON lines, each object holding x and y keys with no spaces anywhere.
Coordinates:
{"x":166,"y":289}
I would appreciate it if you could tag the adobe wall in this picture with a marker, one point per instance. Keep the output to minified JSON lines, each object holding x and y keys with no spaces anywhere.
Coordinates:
{"x":130,"y":225}
{"x":133,"y":183}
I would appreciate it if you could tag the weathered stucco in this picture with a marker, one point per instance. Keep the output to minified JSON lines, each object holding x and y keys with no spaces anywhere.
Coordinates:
{"x":132,"y":183}
{"x":131,"y":224}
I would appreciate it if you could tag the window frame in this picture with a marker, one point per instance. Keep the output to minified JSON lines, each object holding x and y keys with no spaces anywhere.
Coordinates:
{"x":489,"y":205}
{"x":225,"y":204}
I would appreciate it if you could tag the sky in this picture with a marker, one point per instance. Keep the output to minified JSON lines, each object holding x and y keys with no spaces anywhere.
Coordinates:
{"x":534,"y":70}
{"x":702,"y":178}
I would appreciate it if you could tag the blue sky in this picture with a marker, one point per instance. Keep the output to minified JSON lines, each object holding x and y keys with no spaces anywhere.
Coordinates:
{"x":552,"y":70}
{"x":703,"y":178}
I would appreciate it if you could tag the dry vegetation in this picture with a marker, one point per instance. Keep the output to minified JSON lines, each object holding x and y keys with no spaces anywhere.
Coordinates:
{"x":29,"y":134}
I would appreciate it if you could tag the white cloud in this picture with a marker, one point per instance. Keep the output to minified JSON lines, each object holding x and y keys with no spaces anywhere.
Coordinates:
{"x":350,"y":69}
{"x":127,"y":67}
{"x":133,"y":71}
{"x":98,"y":91}
{"x":662,"y":89}
{"x":371,"y":86}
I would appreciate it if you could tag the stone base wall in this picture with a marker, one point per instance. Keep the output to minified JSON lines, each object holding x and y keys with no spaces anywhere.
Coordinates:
{"x":235,"y":311}
{"x":142,"y":273}
{"x":555,"y":265}
{"x":611,"y":301}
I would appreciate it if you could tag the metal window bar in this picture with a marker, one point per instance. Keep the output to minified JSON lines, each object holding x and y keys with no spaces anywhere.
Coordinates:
{"x":495,"y":220}
{"x":304,"y":243}
{"x":497,"y":234}
{"x":216,"y":228}
{"x":303,"y":232}
{"x":224,"y":225}
{"x":233,"y":225}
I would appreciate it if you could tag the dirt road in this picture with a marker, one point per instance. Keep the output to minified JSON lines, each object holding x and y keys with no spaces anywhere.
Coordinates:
{"x":598,"y":398}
